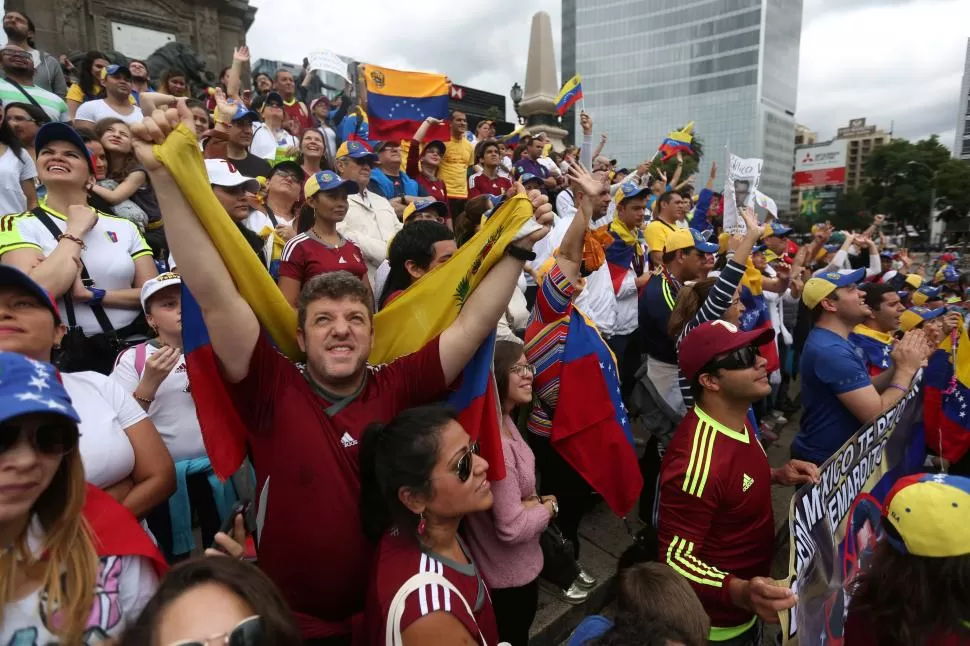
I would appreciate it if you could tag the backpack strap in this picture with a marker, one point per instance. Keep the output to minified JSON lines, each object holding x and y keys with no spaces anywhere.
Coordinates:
{"x":141,"y":355}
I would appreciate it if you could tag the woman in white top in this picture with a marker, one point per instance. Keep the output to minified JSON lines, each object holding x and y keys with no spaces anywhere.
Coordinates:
{"x":270,"y":140}
{"x":67,"y":578}
{"x":17,"y":172}
{"x":122,"y":452}
{"x":64,"y":233}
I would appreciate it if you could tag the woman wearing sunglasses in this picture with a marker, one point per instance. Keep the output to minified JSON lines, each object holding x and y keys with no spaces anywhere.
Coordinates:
{"x":505,"y":540}
{"x":66,"y":579}
{"x":216,"y":600}
{"x":420,"y":475}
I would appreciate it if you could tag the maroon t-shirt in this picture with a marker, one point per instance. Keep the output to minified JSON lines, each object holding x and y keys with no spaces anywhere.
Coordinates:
{"x":399,"y":557}
{"x":298,"y":110}
{"x":305,"y":257}
{"x":482,"y":184}
{"x":311,"y":543}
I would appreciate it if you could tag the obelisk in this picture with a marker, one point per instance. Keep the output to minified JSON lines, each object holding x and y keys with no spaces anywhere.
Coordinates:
{"x":538,"y":104}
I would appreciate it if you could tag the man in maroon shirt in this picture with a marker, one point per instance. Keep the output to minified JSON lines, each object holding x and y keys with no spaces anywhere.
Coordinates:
{"x":293,"y":108}
{"x":488,"y":181}
{"x":715,"y":522}
{"x":304,"y":425}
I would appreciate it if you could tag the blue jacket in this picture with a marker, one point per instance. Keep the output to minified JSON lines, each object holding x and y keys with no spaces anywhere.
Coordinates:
{"x":386,"y":187}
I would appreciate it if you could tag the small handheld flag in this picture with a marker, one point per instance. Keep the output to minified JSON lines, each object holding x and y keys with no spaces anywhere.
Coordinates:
{"x":678,"y":141}
{"x":571,"y":92}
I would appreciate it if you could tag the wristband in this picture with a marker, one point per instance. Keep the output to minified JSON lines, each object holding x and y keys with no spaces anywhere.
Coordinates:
{"x":97,"y":295}
{"x":520,"y":254}
{"x":142,"y":399}
{"x":72,"y":238}
{"x":901,"y":389}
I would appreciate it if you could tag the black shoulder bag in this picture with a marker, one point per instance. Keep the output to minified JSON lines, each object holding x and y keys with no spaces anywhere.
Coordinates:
{"x":30,"y":98}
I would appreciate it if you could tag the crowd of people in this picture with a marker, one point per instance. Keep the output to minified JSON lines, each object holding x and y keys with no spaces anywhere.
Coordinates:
{"x":364,"y":512}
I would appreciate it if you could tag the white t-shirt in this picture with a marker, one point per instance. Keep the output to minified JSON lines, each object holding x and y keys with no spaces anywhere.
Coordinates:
{"x":99,"y":109}
{"x":122,"y":588}
{"x":265,"y":143}
{"x":13,"y":170}
{"x":172,"y":411}
{"x":106,"y":410}
{"x":112,"y":246}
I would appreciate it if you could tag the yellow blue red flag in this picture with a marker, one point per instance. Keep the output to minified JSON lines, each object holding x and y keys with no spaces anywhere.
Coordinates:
{"x":678,"y":141}
{"x":571,"y":92}
{"x":397,"y":103}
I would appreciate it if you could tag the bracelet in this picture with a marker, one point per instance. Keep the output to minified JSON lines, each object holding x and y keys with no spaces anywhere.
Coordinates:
{"x":97,"y":295}
{"x":520,"y":254}
{"x":72,"y":238}
{"x":142,"y":399}
{"x":901,"y":389}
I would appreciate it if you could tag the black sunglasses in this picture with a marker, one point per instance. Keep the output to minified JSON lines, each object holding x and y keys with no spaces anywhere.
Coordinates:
{"x":464,"y":466}
{"x":740,"y":359}
{"x":54,"y":438}
{"x":248,"y":632}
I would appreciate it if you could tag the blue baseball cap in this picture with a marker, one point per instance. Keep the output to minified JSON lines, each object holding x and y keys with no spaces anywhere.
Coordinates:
{"x":327,"y":180}
{"x":819,"y":287}
{"x":273,"y":96}
{"x":950,"y":274}
{"x":12,"y":277}
{"x":111,"y":70}
{"x":356,"y":150}
{"x":915,"y":316}
{"x":759,"y":248}
{"x":629,"y":190}
{"x":886,"y":254}
{"x":242,"y":112}
{"x":418,"y":206}
{"x":528,"y":177}
{"x":776,"y":229}
{"x":29,"y":386}
{"x":832,"y":248}
{"x":59,"y":131}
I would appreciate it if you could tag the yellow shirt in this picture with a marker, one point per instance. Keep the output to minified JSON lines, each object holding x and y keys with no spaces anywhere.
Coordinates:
{"x":453,"y":171}
{"x":656,"y":234}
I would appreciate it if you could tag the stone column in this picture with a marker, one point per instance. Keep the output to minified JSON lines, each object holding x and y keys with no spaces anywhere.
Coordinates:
{"x":538,"y":104}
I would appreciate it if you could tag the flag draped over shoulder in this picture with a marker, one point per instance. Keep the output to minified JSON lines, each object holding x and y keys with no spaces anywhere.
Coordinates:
{"x":429,"y":306}
{"x":755,"y":316}
{"x":947,"y":399}
{"x":625,"y":253}
{"x":590,"y":428}
{"x":571,"y":92}
{"x":678,"y":141}
{"x":398,"y":102}
{"x":222,"y":431}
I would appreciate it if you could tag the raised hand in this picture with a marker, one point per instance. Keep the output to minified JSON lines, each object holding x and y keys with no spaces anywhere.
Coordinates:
{"x":586,"y":123}
{"x":580,"y":178}
{"x":241,"y":54}
{"x":754,"y":227}
{"x":155,"y":129}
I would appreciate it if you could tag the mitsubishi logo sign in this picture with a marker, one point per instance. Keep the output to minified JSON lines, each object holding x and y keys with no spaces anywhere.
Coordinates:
{"x":457,"y":93}
{"x":808,"y":158}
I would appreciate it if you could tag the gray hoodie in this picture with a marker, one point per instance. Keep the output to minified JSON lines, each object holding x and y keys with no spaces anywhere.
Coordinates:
{"x":49,"y":75}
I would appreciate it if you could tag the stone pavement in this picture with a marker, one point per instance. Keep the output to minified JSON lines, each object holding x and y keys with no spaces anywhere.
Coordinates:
{"x":604,"y":537}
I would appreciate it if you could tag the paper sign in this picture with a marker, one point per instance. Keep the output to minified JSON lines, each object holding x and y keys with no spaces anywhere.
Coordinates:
{"x":766,"y":203}
{"x":739,"y":190}
{"x":327,"y":61}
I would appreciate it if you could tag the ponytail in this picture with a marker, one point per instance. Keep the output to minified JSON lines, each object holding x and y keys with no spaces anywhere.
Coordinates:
{"x":689,"y":301}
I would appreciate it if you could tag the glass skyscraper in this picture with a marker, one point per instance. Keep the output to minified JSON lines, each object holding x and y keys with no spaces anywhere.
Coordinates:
{"x":650,"y":66}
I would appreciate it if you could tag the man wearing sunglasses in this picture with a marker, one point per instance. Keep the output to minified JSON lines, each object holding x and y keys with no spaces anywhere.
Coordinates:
{"x":715,"y":519}
{"x":838,"y":394}
{"x":685,"y":257}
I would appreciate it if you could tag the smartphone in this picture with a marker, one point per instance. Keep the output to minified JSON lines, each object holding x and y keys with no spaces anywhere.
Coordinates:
{"x":241,"y":507}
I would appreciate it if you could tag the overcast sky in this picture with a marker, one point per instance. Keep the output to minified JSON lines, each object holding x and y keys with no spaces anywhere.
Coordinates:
{"x":892,"y":61}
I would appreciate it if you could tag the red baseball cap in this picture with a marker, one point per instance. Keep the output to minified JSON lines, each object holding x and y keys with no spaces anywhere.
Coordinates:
{"x":713,"y":338}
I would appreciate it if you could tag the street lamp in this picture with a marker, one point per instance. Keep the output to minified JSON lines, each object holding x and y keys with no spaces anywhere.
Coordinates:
{"x":929,"y":222}
{"x":516,"y":95}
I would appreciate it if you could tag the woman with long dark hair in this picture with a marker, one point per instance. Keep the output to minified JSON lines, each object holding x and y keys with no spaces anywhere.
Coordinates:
{"x":173,"y":83}
{"x":89,"y":85}
{"x":214,"y":600}
{"x":24,"y":120}
{"x":17,"y":172}
{"x":505,"y":540}
{"x":916,"y":592}
{"x":420,"y":475}
{"x":313,"y":153}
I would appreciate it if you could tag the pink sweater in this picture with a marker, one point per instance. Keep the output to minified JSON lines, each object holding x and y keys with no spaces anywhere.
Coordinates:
{"x":505,"y":540}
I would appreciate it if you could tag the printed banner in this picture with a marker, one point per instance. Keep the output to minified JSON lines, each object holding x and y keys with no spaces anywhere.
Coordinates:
{"x":742,"y":181}
{"x":836,"y":524}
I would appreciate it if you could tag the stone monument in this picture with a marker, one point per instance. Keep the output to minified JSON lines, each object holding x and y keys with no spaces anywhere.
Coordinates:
{"x":538,"y":104}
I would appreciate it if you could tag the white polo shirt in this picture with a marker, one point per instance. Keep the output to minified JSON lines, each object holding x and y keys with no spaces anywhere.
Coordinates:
{"x":98,"y":109}
{"x":112,"y":246}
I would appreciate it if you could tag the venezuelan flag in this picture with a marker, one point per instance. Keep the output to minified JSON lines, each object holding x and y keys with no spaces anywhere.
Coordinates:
{"x":756,"y":313}
{"x":625,"y":253}
{"x":950,"y":431}
{"x":571,"y":92}
{"x":514,"y":138}
{"x":678,"y":141}
{"x":876,"y":345}
{"x":397,"y":103}
{"x":433,"y":303}
{"x":590,"y":427}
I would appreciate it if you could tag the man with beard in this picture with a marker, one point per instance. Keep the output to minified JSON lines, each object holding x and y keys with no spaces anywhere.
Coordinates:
{"x":48,"y":74}
{"x":838,"y":394}
{"x":116,"y":102}
{"x":18,"y":84}
{"x":875,"y":335}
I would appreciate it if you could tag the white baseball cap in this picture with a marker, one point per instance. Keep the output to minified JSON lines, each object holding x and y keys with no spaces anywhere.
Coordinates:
{"x":224,"y":173}
{"x":154,"y":285}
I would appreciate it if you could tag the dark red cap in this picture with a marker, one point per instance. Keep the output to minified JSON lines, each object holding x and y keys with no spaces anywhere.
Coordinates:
{"x":714,"y":338}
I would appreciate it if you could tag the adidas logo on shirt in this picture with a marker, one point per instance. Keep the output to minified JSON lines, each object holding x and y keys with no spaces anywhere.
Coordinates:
{"x":745,"y":483}
{"x":348,"y":441}
{"x":342,"y":261}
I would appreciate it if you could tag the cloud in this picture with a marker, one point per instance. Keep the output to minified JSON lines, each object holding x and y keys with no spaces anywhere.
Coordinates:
{"x":892,"y":61}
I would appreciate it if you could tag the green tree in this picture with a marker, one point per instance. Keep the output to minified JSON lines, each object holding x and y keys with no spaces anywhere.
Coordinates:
{"x":850,"y":211}
{"x":691,"y":163}
{"x":900,"y":180}
{"x":953,"y":189}
{"x":494,"y":115}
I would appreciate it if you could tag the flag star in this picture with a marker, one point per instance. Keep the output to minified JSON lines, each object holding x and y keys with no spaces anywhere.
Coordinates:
{"x":601,"y":365}
{"x":30,"y":397}
{"x":53,"y":405}
{"x":38,"y":382}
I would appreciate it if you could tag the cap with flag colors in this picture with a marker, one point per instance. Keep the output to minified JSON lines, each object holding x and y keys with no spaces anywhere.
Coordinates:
{"x":926,"y":293}
{"x":571,"y":92}
{"x":678,"y":141}
{"x":28,"y":386}
{"x":629,"y":191}
{"x":687,"y":239}
{"x":356,"y":150}
{"x":916,"y":316}
{"x":398,"y":102}
{"x":776,"y":229}
{"x":424,"y":204}
{"x":819,"y":287}
{"x":327,"y":180}
{"x":928,"y":515}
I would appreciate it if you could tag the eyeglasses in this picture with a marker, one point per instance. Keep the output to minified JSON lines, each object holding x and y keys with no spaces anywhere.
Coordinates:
{"x":248,"y":632}
{"x":54,"y":438}
{"x":523,"y":370}
{"x":740,"y":359}
{"x":287,"y":177}
{"x":464,"y":465}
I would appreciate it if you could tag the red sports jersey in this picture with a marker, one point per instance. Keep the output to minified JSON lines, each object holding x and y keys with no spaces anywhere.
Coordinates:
{"x":482,"y":184}
{"x":303,"y":446}
{"x":298,"y":110}
{"x":715,"y":519}
{"x":305,"y":257}
{"x":399,"y":558}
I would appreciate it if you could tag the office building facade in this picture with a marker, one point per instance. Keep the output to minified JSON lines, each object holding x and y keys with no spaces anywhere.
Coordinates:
{"x":961,"y":147}
{"x":650,"y":66}
{"x":862,"y":140}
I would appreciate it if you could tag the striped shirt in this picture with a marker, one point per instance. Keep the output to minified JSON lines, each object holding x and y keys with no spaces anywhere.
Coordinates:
{"x":545,"y":343}
{"x":718,"y":301}
{"x":53,"y":105}
{"x":715,"y":517}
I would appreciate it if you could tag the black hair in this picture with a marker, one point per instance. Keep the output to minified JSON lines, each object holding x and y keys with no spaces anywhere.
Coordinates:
{"x":415,"y":242}
{"x":34,"y":112}
{"x":243,"y":579}
{"x":665,"y":198}
{"x":253,"y":240}
{"x":401,"y":453}
{"x":874,"y":293}
{"x":482,"y":146}
{"x":86,"y":80}
{"x":818,"y":310}
{"x":506,"y":353}
{"x":8,"y":137}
